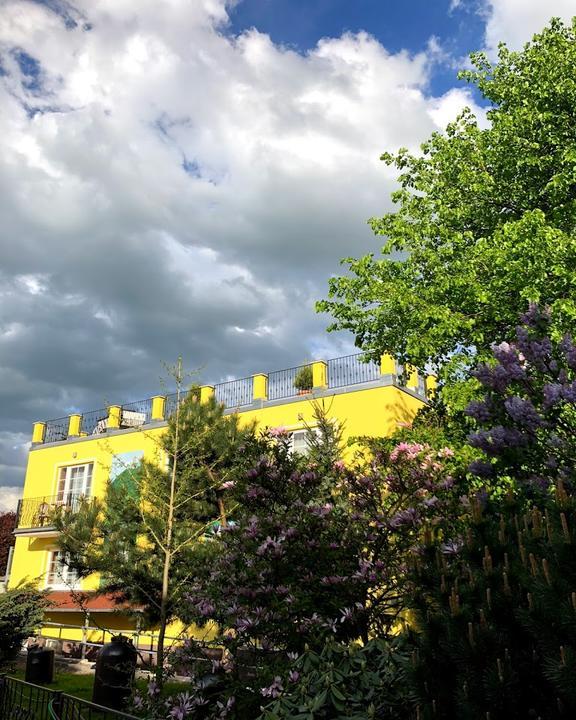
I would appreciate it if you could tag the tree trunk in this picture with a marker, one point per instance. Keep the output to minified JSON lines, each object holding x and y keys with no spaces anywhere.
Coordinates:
{"x":168,"y":545}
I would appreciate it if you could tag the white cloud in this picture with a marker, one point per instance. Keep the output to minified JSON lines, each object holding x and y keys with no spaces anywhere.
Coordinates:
{"x":515,"y":21}
{"x":9,"y":497}
{"x":168,"y":189}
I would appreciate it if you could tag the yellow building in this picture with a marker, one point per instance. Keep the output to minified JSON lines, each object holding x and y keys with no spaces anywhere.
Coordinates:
{"x":77,"y":456}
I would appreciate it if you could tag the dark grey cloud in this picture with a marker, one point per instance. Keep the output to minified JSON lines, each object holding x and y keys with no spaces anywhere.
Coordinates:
{"x":166,"y":190}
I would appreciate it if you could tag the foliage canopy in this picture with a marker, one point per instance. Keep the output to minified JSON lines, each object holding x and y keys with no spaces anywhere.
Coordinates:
{"x":484,"y":219}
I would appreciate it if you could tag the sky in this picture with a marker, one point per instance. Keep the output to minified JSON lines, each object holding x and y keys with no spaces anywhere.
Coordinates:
{"x":181,"y":177}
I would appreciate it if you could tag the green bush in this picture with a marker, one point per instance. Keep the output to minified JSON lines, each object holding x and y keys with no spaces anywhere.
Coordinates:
{"x":304,"y":379}
{"x":21,"y":612}
{"x":341,"y":681}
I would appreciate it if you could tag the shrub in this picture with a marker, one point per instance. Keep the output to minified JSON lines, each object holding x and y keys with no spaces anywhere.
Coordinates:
{"x":21,"y":612}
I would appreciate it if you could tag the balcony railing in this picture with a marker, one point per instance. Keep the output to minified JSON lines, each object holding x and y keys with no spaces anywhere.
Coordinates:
{"x":337,"y":373}
{"x":281,"y":383}
{"x":351,"y":370}
{"x":92,"y":422}
{"x":234,"y":393}
{"x":56,"y":430}
{"x":39,"y":512}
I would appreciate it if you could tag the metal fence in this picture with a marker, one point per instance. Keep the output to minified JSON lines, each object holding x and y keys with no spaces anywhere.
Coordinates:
{"x":38,"y":512}
{"x":171,"y":402}
{"x":56,"y":430}
{"x":234,"y":393}
{"x":281,"y":383}
{"x":23,"y":701}
{"x":141,"y":409}
{"x":20,"y":700}
{"x":93,"y":422}
{"x":94,"y":637}
{"x":351,"y":370}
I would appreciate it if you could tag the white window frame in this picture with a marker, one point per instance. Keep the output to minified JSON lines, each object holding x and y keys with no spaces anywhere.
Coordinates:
{"x":301,"y":432}
{"x":58,"y":574}
{"x":64,"y":488}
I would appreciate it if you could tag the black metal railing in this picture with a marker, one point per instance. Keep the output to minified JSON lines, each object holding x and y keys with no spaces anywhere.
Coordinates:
{"x":234,"y":393}
{"x":172,"y":402}
{"x":94,"y":422}
{"x":20,"y":700}
{"x":136,"y":413}
{"x":281,"y":383}
{"x":56,"y":430}
{"x":351,"y":370}
{"x":341,"y":372}
{"x":24,"y":701}
{"x":39,"y":512}
{"x":68,"y":707}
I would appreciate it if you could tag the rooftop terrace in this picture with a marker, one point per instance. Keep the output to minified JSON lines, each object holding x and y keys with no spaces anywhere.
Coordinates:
{"x":341,"y":374}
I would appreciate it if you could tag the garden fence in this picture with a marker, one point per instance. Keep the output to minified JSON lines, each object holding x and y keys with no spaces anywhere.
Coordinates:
{"x":20,"y":700}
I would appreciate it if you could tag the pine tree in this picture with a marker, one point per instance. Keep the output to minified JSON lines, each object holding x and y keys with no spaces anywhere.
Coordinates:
{"x":145,"y":537}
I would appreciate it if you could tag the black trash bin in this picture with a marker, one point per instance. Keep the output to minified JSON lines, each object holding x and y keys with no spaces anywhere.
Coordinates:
{"x":39,"y":665}
{"x":115,"y":669}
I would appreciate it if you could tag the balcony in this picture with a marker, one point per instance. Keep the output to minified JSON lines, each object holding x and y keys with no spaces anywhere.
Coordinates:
{"x":335,"y":376}
{"x":36,"y":514}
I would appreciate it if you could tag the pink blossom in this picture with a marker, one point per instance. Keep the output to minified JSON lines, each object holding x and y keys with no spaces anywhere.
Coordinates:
{"x":278,"y":431}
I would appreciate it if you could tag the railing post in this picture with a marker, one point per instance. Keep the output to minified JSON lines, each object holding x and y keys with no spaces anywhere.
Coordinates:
{"x":431,"y":385}
{"x":412,"y":382}
{"x":158,"y":407}
{"x":56,"y":704}
{"x":38,"y":433}
{"x":260,"y":386}
{"x":206,"y":392}
{"x":74,"y":425}
{"x":387,"y":365}
{"x":319,"y":375}
{"x":114,"y":417}
{"x":85,"y":634}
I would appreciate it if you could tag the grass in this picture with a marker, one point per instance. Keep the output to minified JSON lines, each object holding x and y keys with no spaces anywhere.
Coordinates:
{"x":80,"y":686}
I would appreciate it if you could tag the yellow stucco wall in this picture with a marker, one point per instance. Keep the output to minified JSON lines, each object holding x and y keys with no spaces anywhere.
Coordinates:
{"x":373,"y":411}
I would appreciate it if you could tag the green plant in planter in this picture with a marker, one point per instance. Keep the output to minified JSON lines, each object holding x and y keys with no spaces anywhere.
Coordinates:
{"x":304,"y":379}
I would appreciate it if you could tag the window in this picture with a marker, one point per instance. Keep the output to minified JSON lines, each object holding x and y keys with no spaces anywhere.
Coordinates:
{"x":59,"y":574}
{"x":73,"y":481}
{"x":421,"y":385}
{"x":300,"y":443}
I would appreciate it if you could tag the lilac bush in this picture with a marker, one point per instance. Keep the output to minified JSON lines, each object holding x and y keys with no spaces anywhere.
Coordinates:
{"x":311,"y":555}
{"x":317,"y":550}
{"x":527,"y":418}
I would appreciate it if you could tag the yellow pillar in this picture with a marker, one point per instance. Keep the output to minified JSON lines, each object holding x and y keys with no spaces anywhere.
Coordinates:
{"x":74,"y":425}
{"x":158,"y":407}
{"x":412,"y":381}
{"x":114,"y":417}
{"x":387,"y":365}
{"x":431,"y":385}
{"x":206,"y":392}
{"x":319,"y":374}
{"x":38,"y":432}
{"x":260,"y":386}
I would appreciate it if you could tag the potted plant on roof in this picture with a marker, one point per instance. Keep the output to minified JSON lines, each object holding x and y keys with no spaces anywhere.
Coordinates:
{"x":304,"y":381}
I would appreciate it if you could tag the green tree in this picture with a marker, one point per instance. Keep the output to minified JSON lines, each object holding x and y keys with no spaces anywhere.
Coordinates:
{"x":484,"y":221}
{"x":144,"y":536}
{"x":21,"y":613}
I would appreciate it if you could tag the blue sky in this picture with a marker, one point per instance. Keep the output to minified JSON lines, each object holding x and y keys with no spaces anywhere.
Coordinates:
{"x":397,"y":25}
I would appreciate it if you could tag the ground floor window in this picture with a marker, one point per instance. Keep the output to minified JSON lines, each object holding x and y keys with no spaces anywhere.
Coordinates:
{"x":59,"y":573}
